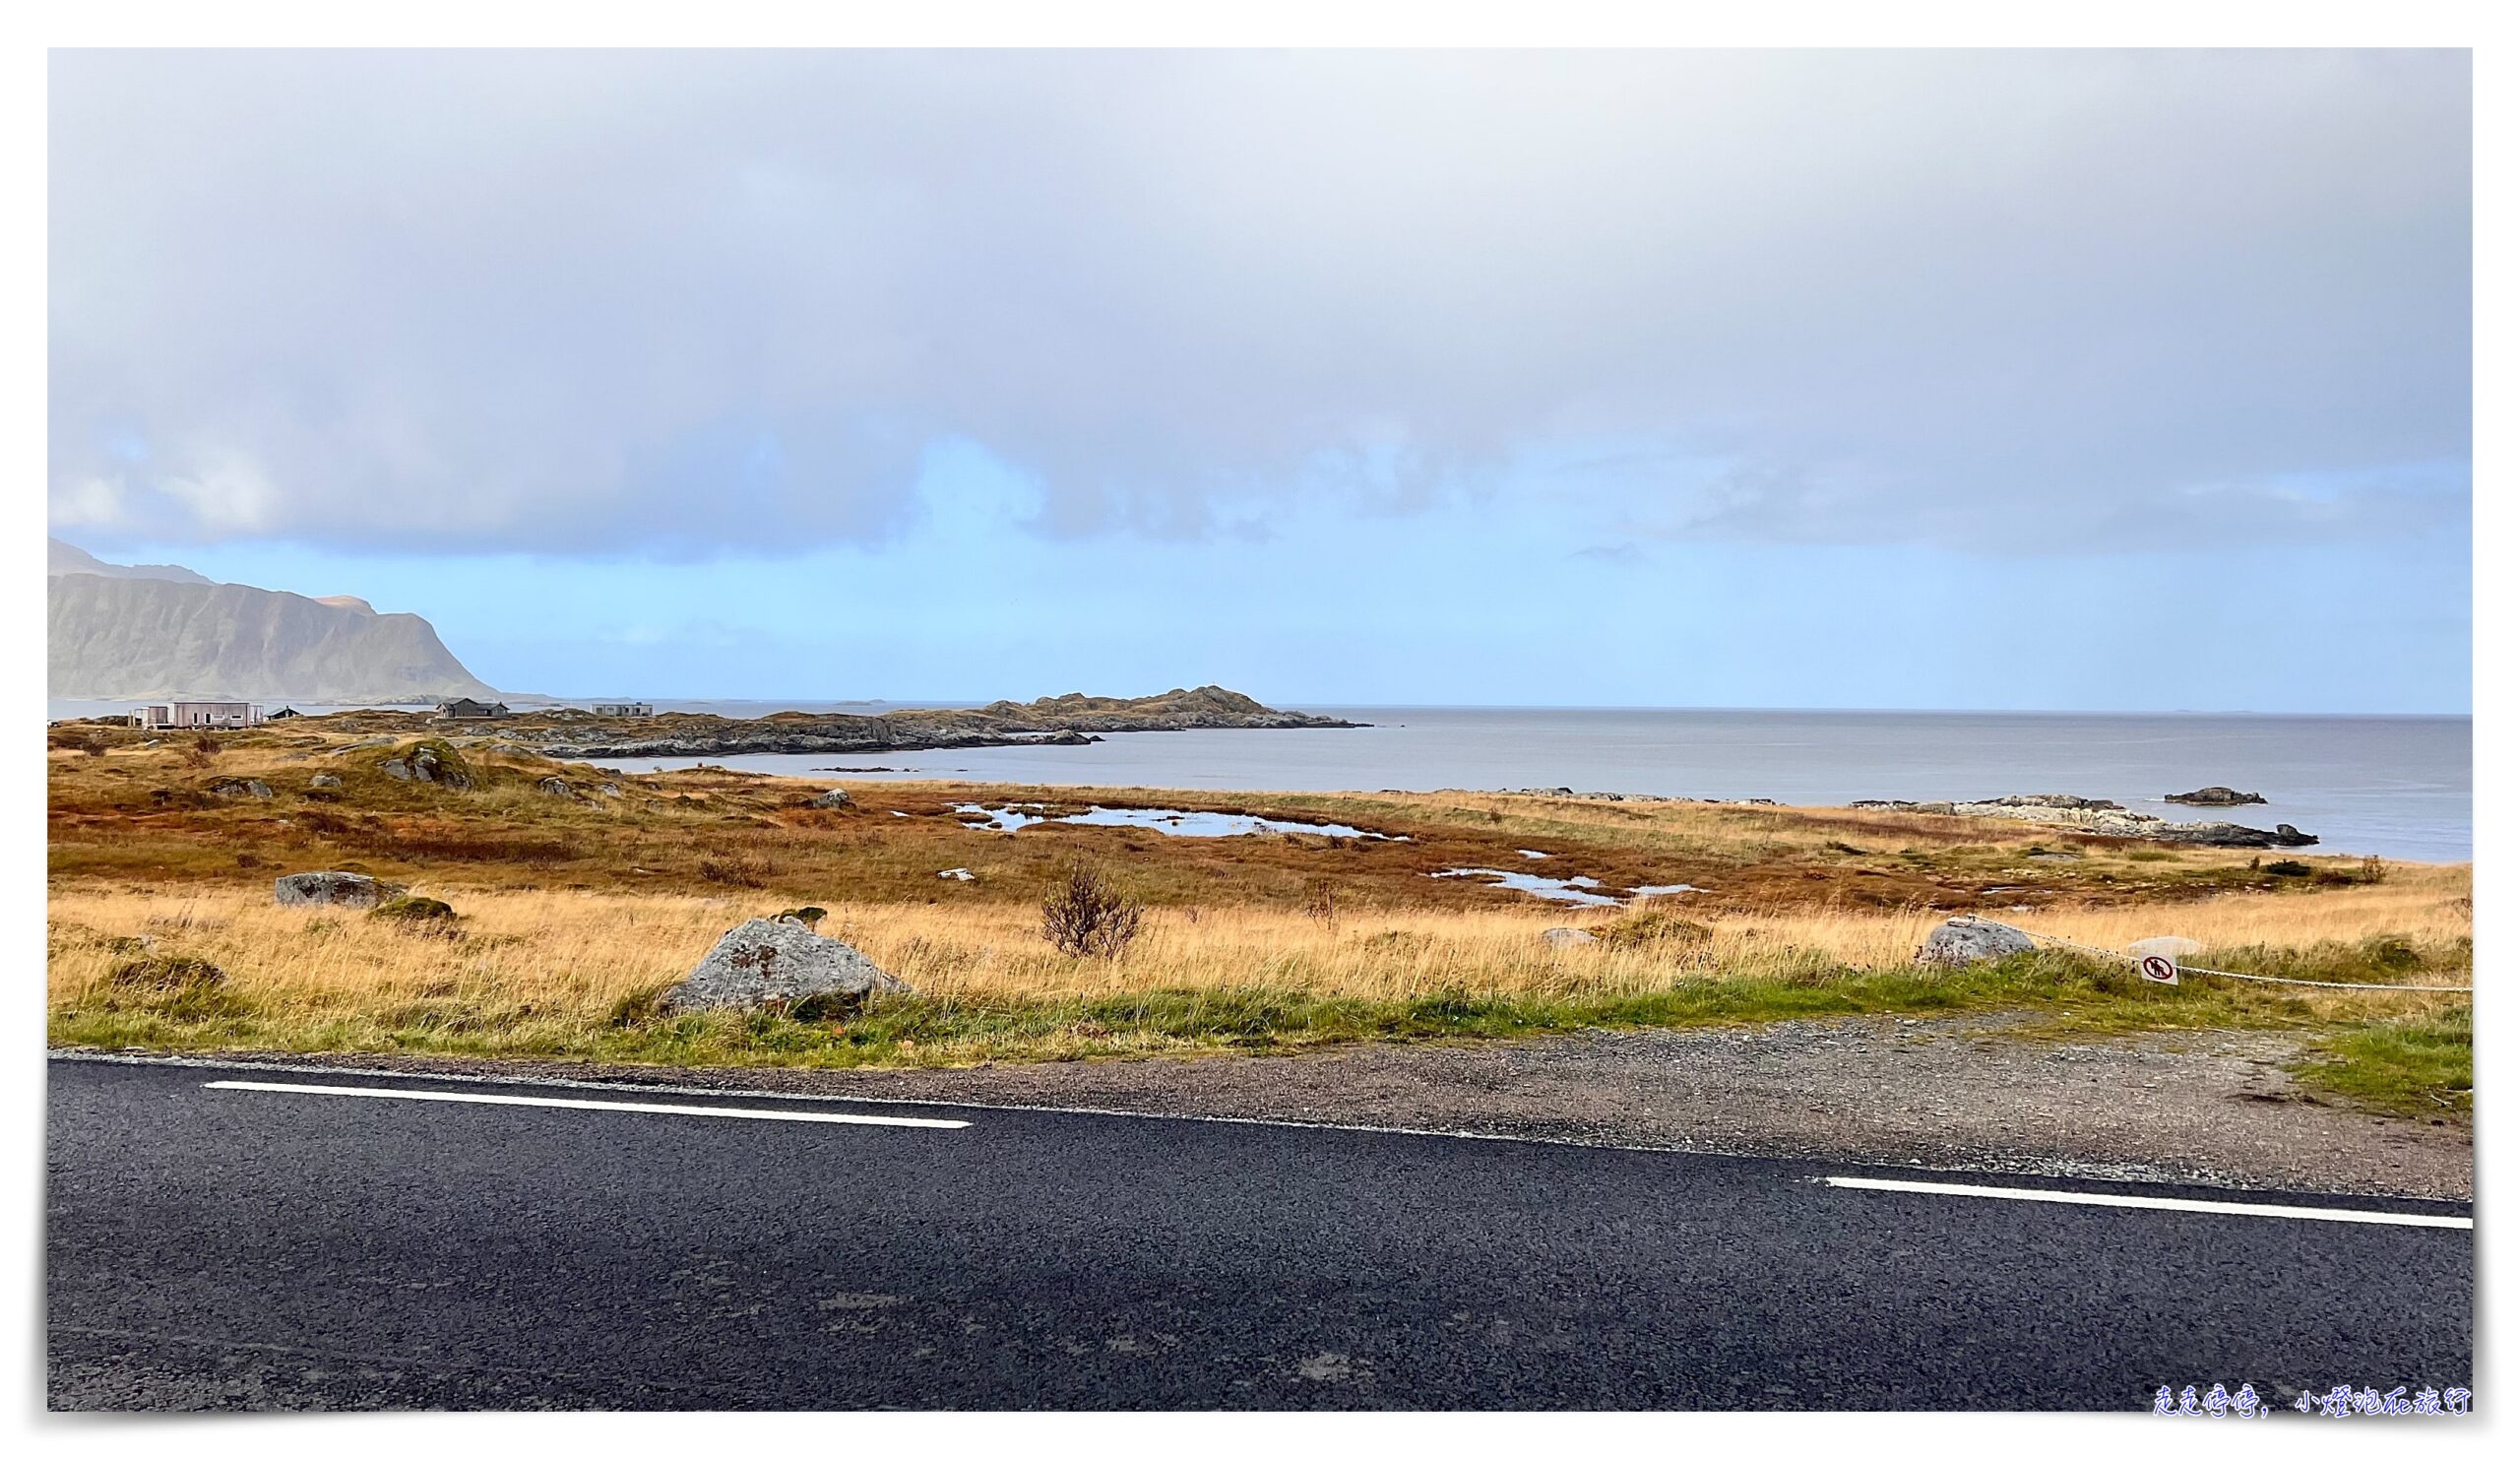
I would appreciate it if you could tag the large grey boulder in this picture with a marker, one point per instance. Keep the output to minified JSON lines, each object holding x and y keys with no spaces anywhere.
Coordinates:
{"x":832,"y":799}
{"x":425,"y":763}
{"x":768,"y":961}
{"x":1960,"y":942}
{"x":333,"y":889}
{"x":324,"y":782}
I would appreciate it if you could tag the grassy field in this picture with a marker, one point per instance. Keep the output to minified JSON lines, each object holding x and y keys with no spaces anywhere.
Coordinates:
{"x":577,"y":909}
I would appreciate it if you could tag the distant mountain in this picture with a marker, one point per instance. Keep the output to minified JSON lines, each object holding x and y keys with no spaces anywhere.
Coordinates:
{"x":118,"y":632}
{"x":65,"y":558}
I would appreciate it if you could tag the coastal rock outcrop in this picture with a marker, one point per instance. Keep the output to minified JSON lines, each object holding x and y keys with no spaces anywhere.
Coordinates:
{"x":333,"y":889}
{"x":2102,"y":818}
{"x":1961,"y":942}
{"x":2216,"y":795}
{"x":765,"y":962}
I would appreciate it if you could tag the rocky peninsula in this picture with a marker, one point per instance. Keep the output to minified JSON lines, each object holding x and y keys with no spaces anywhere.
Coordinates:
{"x":1066,"y":720}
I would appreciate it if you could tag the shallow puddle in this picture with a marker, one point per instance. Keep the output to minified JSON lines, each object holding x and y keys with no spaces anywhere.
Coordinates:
{"x":1170,"y":822}
{"x":1577,"y":891}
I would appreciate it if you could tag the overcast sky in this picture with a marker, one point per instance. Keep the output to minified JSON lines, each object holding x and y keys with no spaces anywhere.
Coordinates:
{"x":1940,"y":380}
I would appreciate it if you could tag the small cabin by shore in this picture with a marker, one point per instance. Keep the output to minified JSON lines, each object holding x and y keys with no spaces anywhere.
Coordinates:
{"x":201,"y":714}
{"x":471,"y":709}
{"x":628,"y":710}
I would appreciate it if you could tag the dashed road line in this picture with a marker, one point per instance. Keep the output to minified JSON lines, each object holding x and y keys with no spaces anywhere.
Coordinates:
{"x":2153,"y":1202}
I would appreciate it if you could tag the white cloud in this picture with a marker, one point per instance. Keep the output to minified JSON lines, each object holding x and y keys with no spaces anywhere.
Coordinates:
{"x":688,"y":302}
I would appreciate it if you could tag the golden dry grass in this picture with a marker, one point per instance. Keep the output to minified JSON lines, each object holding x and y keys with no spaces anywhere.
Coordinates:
{"x":580,"y":953}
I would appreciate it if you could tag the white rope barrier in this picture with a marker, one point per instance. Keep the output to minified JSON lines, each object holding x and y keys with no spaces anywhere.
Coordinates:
{"x":2184,"y":967}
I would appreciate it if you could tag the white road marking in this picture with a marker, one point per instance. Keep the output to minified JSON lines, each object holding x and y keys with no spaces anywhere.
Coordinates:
{"x":460,"y":1097}
{"x":2154,"y":1202}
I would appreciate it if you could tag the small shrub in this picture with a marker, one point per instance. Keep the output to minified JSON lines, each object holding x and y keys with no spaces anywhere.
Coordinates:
{"x":1321,"y":899}
{"x":2373,"y":872}
{"x":414,"y":910}
{"x":2391,"y":953}
{"x":1087,"y":917}
{"x":735,"y":870}
{"x":639,"y":1006}
{"x":1654,"y":929}
{"x":165,"y":977}
{"x":2286,"y":868}
{"x":831,"y":1007}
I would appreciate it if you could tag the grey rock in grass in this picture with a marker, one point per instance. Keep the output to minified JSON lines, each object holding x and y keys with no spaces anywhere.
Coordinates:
{"x":610,"y":790}
{"x":1568,"y":937}
{"x":2166,"y":947}
{"x":333,"y":889}
{"x":767,"y":961}
{"x":424,"y":764}
{"x":955,"y":873}
{"x":1958,"y":943}
{"x":253,"y":788}
{"x":552,"y":785}
{"x":324,"y":782}
{"x":834,"y":799}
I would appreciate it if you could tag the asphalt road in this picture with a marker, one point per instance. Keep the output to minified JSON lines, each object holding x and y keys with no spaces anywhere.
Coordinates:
{"x":246,"y":1248}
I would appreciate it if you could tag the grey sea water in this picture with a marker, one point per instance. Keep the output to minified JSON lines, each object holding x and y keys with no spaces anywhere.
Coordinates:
{"x":2387,"y":785}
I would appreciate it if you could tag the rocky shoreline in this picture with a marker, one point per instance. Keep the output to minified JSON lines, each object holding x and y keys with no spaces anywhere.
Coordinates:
{"x":2074,"y":812}
{"x":2102,"y":818}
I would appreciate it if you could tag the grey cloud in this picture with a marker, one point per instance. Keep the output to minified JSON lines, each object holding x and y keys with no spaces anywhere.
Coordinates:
{"x":698,"y":303}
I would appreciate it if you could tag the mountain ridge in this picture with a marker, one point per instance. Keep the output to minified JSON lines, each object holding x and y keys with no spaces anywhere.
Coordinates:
{"x":157,"y":630}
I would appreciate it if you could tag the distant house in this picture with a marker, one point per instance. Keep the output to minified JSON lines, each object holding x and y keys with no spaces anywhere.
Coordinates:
{"x":202,"y":713}
{"x":282,"y":713}
{"x":630,"y":710}
{"x":471,"y":709}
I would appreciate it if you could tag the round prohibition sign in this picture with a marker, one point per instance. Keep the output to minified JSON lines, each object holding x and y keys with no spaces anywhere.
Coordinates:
{"x":2158,"y":969}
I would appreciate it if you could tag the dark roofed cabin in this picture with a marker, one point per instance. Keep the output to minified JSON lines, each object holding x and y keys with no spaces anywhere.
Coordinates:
{"x":471,"y":709}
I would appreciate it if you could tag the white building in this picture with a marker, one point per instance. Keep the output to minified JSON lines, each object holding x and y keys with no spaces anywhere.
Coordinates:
{"x":201,"y":714}
{"x":631,"y":711}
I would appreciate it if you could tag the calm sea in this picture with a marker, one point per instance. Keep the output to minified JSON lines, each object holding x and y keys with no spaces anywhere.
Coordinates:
{"x":2394,"y":786}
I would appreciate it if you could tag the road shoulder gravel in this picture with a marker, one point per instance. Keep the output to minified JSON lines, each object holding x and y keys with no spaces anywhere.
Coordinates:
{"x":1961,"y":1094}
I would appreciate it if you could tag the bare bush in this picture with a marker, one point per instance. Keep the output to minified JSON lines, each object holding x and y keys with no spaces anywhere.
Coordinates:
{"x":735,"y":870}
{"x":1086,"y":917}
